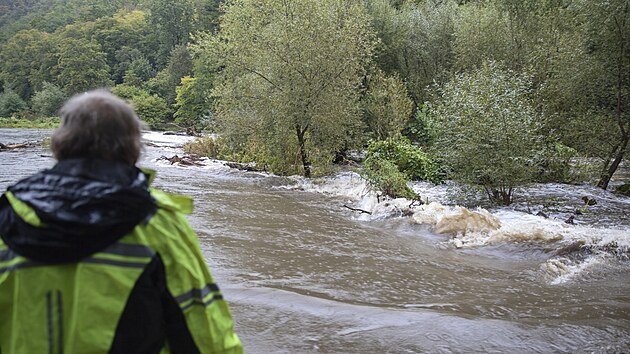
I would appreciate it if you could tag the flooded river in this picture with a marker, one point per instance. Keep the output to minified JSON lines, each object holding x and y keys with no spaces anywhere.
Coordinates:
{"x":305,"y":274}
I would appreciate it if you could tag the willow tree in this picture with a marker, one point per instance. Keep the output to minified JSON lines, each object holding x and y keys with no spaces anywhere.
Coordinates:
{"x":290,"y":78}
{"x":488,"y":132}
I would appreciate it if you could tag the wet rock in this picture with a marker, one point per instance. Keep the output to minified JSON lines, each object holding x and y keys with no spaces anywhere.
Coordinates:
{"x":570,"y":220}
{"x":541,"y":213}
{"x":572,"y":248}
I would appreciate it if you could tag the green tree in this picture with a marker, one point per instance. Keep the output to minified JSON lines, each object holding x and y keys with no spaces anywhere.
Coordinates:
{"x":609,"y":38}
{"x":152,"y":109}
{"x":21,"y":58}
{"x":11,"y":103}
{"x":588,"y":94}
{"x":165,"y":81}
{"x":124,"y":38}
{"x":291,"y":73}
{"x":47,"y":101}
{"x":81,"y":66}
{"x":482,"y":33}
{"x":140,"y":69}
{"x":488,"y":132}
{"x":386,"y":104}
{"x":191,"y":108}
{"x":427,"y":56}
{"x":172,"y":22}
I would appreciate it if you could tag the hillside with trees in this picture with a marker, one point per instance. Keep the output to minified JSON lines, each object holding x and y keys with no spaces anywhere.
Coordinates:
{"x":490,"y":93}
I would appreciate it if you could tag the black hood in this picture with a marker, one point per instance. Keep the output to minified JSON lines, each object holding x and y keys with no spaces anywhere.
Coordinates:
{"x":84,"y":205}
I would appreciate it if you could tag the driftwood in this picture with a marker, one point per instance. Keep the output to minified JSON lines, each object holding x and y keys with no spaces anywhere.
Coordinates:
{"x":186,"y":160}
{"x":4,"y":147}
{"x":356,"y":209}
{"x":243,"y":167}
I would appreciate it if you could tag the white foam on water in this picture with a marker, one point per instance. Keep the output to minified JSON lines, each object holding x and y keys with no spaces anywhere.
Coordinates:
{"x":563,"y":270}
{"x":472,"y":228}
{"x":171,"y":140}
{"x":463,"y":227}
{"x":348,"y":185}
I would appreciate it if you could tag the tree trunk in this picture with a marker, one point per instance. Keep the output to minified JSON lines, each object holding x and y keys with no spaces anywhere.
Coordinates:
{"x":305,"y":162}
{"x":607,"y":174}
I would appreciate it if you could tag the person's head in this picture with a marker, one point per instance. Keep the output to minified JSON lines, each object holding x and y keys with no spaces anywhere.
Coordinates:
{"x":98,"y":125}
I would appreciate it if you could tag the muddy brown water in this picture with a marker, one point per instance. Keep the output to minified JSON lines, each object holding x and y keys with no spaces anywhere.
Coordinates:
{"x":303,"y":275}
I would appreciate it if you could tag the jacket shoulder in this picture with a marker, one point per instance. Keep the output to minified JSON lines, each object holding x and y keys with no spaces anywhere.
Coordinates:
{"x":172,"y":202}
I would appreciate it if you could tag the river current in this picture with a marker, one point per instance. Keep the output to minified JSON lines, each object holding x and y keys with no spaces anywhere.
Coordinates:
{"x":303,"y":273}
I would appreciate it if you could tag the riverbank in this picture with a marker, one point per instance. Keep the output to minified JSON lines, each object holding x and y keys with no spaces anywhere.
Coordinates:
{"x":38,"y":123}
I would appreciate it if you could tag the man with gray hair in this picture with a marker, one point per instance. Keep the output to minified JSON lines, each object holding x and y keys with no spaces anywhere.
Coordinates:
{"x":94,"y":260}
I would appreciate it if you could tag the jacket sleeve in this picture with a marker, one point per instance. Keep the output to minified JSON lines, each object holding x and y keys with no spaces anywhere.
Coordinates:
{"x":193,"y":293}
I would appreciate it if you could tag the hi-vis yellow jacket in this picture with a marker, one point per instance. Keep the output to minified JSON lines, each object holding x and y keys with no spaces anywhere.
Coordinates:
{"x":145,"y":290}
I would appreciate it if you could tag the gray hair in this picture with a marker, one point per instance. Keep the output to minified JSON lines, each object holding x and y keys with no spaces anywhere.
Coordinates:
{"x":98,"y":125}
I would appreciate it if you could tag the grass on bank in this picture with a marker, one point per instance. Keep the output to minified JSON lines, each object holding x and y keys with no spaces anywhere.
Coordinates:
{"x":38,"y":123}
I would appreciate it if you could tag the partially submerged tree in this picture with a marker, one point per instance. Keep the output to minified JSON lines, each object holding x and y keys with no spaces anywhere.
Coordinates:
{"x":290,"y":75}
{"x":488,"y":131}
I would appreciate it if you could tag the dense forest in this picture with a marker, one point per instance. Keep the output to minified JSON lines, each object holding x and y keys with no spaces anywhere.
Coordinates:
{"x":493,"y":94}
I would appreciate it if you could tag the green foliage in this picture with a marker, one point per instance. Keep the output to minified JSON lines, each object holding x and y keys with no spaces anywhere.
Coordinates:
{"x":554,"y":163}
{"x":386,"y":104}
{"x":408,"y":158}
{"x":416,"y":40}
{"x":488,"y":131}
{"x":164,"y":83}
{"x":23,"y":61}
{"x":383,"y":175}
{"x":173,"y":22}
{"x":11,"y":103}
{"x":47,"y":101}
{"x":291,"y":72}
{"x":419,"y":129}
{"x":40,"y":123}
{"x":482,"y":33}
{"x":81,"y":66}
{"x":624,"y":189}
{"x":191,"y":108}
{"x":152,"y":109}
{"x":205,"y":146}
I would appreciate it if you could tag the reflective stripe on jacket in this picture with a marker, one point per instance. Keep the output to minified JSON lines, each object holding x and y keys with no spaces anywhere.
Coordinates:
{"x":149,"y":292}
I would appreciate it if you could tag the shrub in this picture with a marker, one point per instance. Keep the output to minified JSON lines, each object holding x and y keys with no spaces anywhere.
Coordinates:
{"x":152,"y":109}
{"x":204,"y":146}
{"x":40,"y":123}
{"x":554,"y":164}
{"x":11,"y":103}
{"x":48,"y":100}
{"x":419,"y":129}
{"x":488,"y":132}
{"x":384,"y":175}
{"x":408,"y":158}
{"x":387,"y":105}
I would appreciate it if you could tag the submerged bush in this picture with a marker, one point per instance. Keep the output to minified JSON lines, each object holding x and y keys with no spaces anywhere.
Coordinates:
{"x":391,"y":163}
{"x":204,"y":146}
{"x":383,"y":175}
{"x":554,"y":164}
{"x":409,"y":159}
{"x":488,"y":131}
